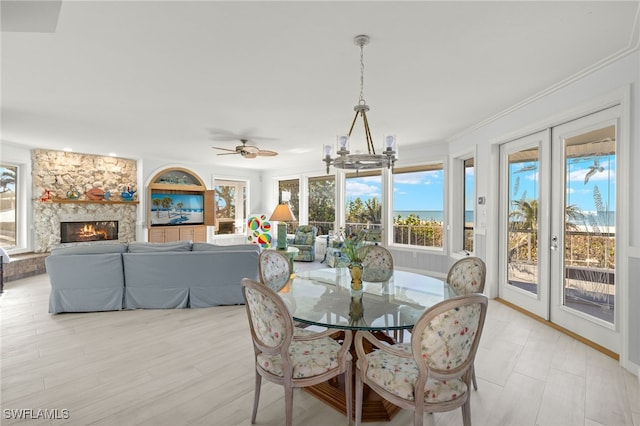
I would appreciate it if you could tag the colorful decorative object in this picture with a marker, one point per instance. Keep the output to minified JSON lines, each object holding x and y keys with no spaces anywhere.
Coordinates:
{"x":128,"y":194}
{"x":95,"y":194}
{"x":259,"y":230}
{"x":73,"y":193}
{"x":46,"y":196}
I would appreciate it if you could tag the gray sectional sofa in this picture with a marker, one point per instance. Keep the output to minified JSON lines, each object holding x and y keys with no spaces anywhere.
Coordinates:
{"x":107,"y":277}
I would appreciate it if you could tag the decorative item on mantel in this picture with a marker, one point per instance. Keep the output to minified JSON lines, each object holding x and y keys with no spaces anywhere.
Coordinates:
{"x":352,"y":244}
{"x":128,"y":194}
{"x":46,"y":196}
{"x":73,"y":193}
{"x":95,"y":194}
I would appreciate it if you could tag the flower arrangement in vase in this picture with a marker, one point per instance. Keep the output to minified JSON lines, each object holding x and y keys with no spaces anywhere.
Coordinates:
{"x":352,"y":244}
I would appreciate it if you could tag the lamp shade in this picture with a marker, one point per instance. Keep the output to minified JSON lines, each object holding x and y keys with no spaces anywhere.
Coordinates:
{"x":282,"y":213}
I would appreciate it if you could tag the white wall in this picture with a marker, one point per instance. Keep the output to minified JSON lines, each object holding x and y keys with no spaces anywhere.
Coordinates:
{"x":568,"y":102}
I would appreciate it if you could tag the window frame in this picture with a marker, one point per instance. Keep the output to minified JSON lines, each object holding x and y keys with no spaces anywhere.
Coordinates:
{"x":22,"y":214}
{"x":309,"y":180}
{"x":241,"y":215}
{"x":422,"y":166}
{"x":457,"y":202}
{"x":344,"y":203}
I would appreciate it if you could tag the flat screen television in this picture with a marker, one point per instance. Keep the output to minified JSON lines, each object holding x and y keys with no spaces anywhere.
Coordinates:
{"x":177,"y":209}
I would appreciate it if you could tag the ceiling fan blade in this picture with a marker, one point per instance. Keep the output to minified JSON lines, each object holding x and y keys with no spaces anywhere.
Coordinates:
{"x":267,"y":153}
{"x":229,"y":153}
{"x":224,"y":149}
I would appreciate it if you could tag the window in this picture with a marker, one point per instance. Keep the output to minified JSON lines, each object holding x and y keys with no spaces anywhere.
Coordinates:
{"x":363,"y":195}
{"x":231,"y":206}
{"x":292,"y":188}
{"x":322,"y":204}
{"x":418,"y":200}
{"x":8,"y":202}
{"x":469,"y":203}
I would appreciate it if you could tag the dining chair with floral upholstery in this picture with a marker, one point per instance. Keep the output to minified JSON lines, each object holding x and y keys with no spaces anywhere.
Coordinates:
{"x":377,"y":264}
{"x":433,"y":372}
{"x":467,"y":275}
{"x":289,"y":356}
{"x":274,"y":269}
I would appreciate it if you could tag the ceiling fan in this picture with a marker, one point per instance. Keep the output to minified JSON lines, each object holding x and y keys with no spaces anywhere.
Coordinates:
{"x":247,"y":151}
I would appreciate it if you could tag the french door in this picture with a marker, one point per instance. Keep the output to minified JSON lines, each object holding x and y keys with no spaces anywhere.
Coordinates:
{"x":558,"y":231}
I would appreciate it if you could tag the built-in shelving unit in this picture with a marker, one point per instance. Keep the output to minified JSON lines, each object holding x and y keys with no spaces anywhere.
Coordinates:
{"x":180,"y":184}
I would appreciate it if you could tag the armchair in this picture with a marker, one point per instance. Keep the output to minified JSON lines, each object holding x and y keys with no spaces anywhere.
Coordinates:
{"x":305,"y":241}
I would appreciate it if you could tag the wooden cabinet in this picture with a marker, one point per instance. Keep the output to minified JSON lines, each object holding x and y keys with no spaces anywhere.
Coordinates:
{"x":166,"y":234}
{"x":179,"y":196}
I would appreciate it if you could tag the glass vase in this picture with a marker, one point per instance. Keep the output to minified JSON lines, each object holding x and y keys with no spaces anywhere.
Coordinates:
{"x":355,"y":269}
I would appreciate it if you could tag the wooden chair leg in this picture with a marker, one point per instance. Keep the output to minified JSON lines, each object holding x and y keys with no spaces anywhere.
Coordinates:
{"x":288,"y":400}
{"x":256,"y":397}
{"x":473,"y":377}
{"x":348,"y":385}
{"x":466,"y":412}
{"x":359,"y":386}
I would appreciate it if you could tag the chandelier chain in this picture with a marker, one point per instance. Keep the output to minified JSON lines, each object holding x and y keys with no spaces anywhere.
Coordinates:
{"x":361,"y":101}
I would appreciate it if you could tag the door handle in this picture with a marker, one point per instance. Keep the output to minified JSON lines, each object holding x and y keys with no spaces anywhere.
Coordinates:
{"x":554,"y":242}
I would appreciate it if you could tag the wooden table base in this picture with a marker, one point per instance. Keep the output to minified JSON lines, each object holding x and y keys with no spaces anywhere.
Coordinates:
{"x":374,"y":407}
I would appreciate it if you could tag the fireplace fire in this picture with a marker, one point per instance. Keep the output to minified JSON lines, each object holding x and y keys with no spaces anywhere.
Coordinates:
{"x":75,"y":232}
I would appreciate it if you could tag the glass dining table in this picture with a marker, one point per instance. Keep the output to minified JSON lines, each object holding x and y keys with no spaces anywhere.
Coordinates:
{"x":323,"y":297}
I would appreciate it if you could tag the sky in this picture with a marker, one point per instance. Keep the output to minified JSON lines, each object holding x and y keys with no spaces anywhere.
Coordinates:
{"x":583,"y":175}
{"x":412,"y":191}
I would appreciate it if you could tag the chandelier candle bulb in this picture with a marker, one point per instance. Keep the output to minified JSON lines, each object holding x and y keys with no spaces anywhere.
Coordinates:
{"x":343,"y":144}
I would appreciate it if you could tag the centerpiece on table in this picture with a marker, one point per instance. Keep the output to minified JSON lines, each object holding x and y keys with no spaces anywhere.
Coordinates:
{"x":352,"y":247}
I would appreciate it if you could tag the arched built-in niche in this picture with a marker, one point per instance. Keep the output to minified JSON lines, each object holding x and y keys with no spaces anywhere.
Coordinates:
{"x":180,"y":207}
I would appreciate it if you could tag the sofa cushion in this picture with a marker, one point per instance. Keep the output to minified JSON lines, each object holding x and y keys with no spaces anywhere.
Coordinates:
{"x":89,"y":249}
{"x":217,"y":248}
{"x":137,"y":247}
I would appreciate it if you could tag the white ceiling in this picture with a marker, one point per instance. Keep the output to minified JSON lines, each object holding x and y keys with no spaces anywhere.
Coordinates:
{"x":153,"y":79}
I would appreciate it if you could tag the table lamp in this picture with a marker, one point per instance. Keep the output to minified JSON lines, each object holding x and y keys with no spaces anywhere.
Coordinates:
{"x":281,"y":214}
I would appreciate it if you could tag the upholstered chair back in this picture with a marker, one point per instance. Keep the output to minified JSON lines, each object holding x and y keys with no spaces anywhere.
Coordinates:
{"x":274,"y":269}
{"x":467,"y":275}
{"x":305,"y":235}
{"x":377,"y":264}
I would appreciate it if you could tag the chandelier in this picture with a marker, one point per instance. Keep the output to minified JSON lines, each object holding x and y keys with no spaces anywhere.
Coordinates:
{"x":358,"y":161}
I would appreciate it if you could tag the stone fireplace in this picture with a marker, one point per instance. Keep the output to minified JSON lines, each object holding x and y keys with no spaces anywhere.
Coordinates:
{"x":88,"y":230}
{"x":57,"y":172}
